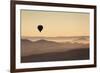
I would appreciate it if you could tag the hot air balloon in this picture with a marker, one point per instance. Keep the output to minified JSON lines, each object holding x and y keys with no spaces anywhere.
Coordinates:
{"x":40,"y":27}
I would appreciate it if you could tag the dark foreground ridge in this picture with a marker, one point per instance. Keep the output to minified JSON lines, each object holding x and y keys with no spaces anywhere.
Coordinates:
{"x":76,"y":54}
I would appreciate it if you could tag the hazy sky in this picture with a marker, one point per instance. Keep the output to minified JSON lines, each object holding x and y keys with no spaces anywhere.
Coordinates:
{"x":54,"y":23}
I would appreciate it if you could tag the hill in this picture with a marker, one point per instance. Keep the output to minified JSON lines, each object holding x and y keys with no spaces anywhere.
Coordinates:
{"x":44,"y":46}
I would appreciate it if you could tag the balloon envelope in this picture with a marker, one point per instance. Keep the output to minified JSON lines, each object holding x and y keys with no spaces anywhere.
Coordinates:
{"x":40,"y":27}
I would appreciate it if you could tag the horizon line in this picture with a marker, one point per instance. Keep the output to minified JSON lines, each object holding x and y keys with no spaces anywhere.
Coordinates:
{"x":55,"y":36}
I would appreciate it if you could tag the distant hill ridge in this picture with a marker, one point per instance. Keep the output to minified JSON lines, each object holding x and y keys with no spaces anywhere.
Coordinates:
{"x":39,"y":41}
{"x":29,"y":47}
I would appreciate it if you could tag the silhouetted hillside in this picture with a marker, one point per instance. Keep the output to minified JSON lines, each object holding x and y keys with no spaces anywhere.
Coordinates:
{"x":41,"y":49}
{"x":78,"y":54}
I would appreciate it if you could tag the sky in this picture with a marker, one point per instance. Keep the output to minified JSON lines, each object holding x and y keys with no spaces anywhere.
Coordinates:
{"x":55,"y":24}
